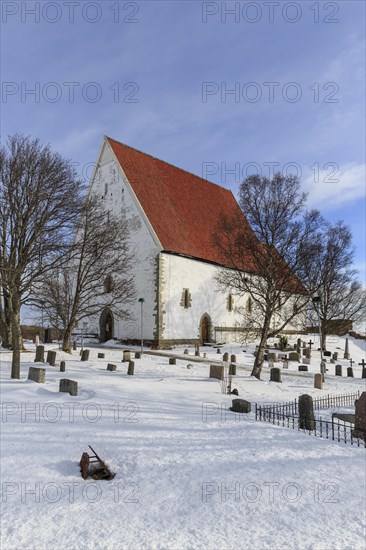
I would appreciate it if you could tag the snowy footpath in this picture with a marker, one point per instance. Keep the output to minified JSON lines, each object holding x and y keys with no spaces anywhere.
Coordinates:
{"x":189,"y":473}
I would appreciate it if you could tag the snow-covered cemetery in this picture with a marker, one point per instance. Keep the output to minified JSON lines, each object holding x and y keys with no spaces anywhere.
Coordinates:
{"x":182,"y":275}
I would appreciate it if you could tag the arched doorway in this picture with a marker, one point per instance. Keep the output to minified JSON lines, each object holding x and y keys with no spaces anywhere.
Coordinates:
{"x":106,"y":325}
{"x":205,"y":328}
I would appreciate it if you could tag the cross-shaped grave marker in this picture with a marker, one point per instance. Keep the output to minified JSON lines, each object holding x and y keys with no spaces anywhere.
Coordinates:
{"x":362,"y":364}
{"x":351,"y":361}
{"x":310,"y":343}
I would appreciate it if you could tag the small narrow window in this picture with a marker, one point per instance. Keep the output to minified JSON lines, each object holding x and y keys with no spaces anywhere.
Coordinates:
{"x":249,"y":305}
{"x":186,"y":298}
{"x":105,"y":189}
{"x":108,"y":284}
{"x":230,"y":302}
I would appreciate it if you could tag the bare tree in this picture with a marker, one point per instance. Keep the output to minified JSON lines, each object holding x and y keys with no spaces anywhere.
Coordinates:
{"x":39,"y":197}
{"x":264,"y":251}
{"x":98,"y":273}
{"x":328,"y":271}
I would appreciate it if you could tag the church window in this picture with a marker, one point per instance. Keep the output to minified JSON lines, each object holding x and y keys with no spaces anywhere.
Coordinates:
{"x":108,"y":284}
{"x":230,"y":303}
{"x":186,"y":300}
{"x":249,"y":305}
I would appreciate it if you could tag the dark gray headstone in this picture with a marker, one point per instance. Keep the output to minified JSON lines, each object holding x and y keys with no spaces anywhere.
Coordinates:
{"x":275,"y":375}
{"x":306,"y":413}
{"x":51,"y":358}
{"x":232,"y":369}
{"x":225,"y":357}
{"x":39,"y":354}
{"x":218,"y":350}
{"x":74,"y":345}
{"x":347,"y":354}
{"x":172,"y":361}
{"x":137,"y":354}
{"x":68,"y":386}
{"x":101,"y":355}
{"x":303,"y":368}
{"x":85,"y":355}
{"x":273,"y":357}
{"x":241,"y":406}
{"x":294,"y":356}
{"x":318,"y":381}
{"x":360,"y":417}
{"x":37,"y":375}
{"x":111,"y":367}
{"x":217,"y":371}
{"x":186,"y":352}
{"x":131,"y":368}
{"x":350,"y":372}
{"x":335,"y":355}
{"x":233,"y":358}
{"x":62,"y":366}
{"x":327,"y":354}
{"x":126,"y":356}
{"x":338,"y":370}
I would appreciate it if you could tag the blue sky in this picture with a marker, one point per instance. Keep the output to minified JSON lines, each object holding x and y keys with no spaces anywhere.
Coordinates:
{"x":158,"y":75}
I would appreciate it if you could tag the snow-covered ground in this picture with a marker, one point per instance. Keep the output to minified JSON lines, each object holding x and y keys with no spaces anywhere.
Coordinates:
{"x":189,"y":472}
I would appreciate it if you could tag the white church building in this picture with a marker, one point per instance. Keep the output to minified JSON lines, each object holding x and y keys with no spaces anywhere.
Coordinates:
{"x":173,"y":214}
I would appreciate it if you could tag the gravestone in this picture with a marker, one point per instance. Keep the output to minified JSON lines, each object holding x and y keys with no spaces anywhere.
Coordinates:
{"x":186,"y":352}
{"x":137,"y":354}
{"x":101,"y":355}
{"x":338,"y":370}
{"x":335,"y":355}
{"x":275,"y":375}
{"x":74,"y":345}
{"x":265,"y":357}
{"x":303,"y":344}
{"x":111,"y":367}
{"x":350,"y":372}
{"x":347,"y":354}
{"x":303,"y":368}
{"x":225,"y":357}
{"x":306,"y":361}
{"x":217,"y":371}
{"x":172,"y":361}
{"x":294,"y":356}
{"x":68,"y":386}
{"x":39,"y":354}
{"x":218,"y":350}
{"x":318,"y":381}
{"x":233,"y":358}
{"x":285,"y":364}
{"x":298,"y":342}
{"x":131,"y":368}
{"x":360,"y":417}
{"x":197,"y":350}
{"x":304,"y":352}
{"x":232,"y":369}
{"x":333,"y":361}
{"x":85,"y":355}
{"x":327,"y":353}
{"x":241,"y":406}
{"x":306,"y":413}
{"x":205,"y":355}
{"x":126,"y":356}
{"x":308,"y":353}
{"x":273,"y":356}
{"x":270,"y":363}
{"x":37,"y":375}
{"x":51,"y":358}
{"x":36,"y":340}
{"x":62,"y":366}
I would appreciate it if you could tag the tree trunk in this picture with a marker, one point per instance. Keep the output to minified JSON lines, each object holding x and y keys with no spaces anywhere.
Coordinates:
{"x":17,"y":341}
{"x":258,"y":363}
{"x":5,"y":323}
{"x":66,"y":342}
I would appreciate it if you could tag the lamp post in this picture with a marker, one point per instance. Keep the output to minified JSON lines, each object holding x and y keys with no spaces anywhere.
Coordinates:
{"x":317,"y":300}
{"x":142,"y":300}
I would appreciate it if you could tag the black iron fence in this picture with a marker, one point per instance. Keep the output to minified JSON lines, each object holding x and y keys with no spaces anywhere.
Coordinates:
{"x":291,"y":408}
{"x":287,"y":416}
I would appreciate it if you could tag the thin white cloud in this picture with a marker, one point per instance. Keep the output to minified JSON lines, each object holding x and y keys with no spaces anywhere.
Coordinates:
{"x":331,"y":188}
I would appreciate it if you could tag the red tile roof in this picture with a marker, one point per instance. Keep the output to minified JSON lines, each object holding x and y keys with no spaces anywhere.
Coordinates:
{"x":182,"y":208}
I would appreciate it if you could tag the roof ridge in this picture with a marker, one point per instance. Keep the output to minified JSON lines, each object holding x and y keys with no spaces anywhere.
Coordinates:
{"x":169,"y":164}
